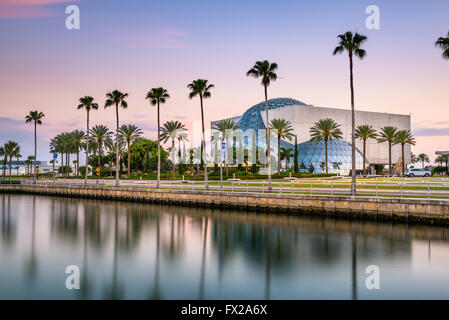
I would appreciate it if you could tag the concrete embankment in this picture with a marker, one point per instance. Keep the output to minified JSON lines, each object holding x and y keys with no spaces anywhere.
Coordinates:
{"x":388,"y":209}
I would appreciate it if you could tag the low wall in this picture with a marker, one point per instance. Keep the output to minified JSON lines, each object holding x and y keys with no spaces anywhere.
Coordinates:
{"x":389,"y":209}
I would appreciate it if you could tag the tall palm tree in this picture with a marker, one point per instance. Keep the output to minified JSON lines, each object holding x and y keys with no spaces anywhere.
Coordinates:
{"x":286,"y":154}
{"x":423,"y":158}
{"x":351,"y":43}
{"x":101,"y":135}
{"x":365,"y":132}
{"x":443,"y":43}
{"x":10,"y":149}
{"x":129,"y":134}
{"x":325,"y":130}
{"x":225,"y":127}
{"x":116,"y":98}
{"x":36,"y":118}
{"x":285,"y":131}
{"x":170,"y":131}
{"x":266,"y":71}
{"x":404,"y":137}
{"x":156,"y":97}
{"x":87,"y":103}
{"x":77,"y":137}
{"x":201,"y":88}
{"x":388,"y":134}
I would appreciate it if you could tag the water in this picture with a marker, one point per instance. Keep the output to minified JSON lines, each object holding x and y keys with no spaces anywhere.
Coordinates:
{"x":141,"y":251}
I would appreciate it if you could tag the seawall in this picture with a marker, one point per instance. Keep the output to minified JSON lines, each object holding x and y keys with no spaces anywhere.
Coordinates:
{"x":426,"y":211}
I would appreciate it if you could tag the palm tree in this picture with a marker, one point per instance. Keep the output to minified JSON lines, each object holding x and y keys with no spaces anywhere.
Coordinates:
{"x":440,"y":159}
{"x":36,"y":117}
{"x":201,"y":88}
{"x":77,"y":137}
{"x":266,"y":71}
{"x":101,"y":135}
{"x":116,"y":98}
{"x":443,"y":43}
{"x":156,"y":97}
{"x":18,"y":156}
{"x":388,"y":134}
{"x":87,"y":103}
{"x":286,"y":154}
{"x":325,"y":130}
{"x":30,"y":161}
{"x":171,"y":130}
{"x":285,"y":131}
{"x":351,"y":43}
{"x":423,"y":158}
{"x":414,"y":158}
{"x":365,"y":132}
{"x":404,"y":137}
{"x":130,"y":133}
{"x":10,"y":150}
{"x":225,"y":127}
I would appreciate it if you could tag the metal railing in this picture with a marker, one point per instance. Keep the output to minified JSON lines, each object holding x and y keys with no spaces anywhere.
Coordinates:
{"x":330,"y":188}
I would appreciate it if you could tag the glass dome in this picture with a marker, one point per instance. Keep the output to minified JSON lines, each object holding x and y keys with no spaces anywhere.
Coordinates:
{"x":339,"y":156}
{"x":251,"y":119}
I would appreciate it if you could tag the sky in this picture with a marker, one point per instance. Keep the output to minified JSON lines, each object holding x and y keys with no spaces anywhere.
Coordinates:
{"x":136,"y":45}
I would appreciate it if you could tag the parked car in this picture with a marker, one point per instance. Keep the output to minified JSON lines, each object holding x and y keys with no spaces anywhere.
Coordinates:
{"x":417,"y":173}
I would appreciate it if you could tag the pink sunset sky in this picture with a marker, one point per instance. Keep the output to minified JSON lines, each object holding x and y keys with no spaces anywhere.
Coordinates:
{"x":135,"y":45}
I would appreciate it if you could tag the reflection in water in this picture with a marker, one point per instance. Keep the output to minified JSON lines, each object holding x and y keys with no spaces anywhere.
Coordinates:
{"x":203,"y":261}
{"x":141,"y":251}
{"x":31,"y":264}
{"x":354,"y":265}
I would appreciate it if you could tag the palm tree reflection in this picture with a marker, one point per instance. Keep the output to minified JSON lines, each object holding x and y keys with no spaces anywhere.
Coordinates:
{"x":156,"y":294}
{"x":31,"y":265}
{"x":354,"y":265}
{"x":115,"y":292}
{"x":203,"y":262}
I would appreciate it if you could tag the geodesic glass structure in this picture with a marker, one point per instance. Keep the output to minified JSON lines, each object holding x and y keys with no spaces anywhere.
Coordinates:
{"x":251,"y":119}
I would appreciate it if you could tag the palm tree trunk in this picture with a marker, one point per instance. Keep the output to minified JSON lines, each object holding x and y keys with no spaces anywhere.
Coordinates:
{"x":203,"y":144}
{"x":173,"y":164}
{"x":68,"y":164}
{"x":117,"y":169}
{"x":35,"y":152}
{"x":403,"y":162}
{"x":158,"y":144}
{"x":353,"y":171}
{"x":279,"y":153}
{"x":268,"y":139}
{"x":62,"y":163}
{"x":10,"y":167}
{"x":325,"y":151}
{"x":364,"y":157}
{"x":87,"y":151}
{"x":77,"y":162}
{"x":129,"y":159}
{"x":389,"y":158}
{"x":99,"y":155}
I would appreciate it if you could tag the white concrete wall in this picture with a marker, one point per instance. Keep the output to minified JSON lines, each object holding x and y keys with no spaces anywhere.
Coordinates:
{"x":304,"y":117}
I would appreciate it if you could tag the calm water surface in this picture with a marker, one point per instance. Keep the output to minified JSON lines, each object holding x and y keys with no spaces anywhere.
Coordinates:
{"x":141,"y":251}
